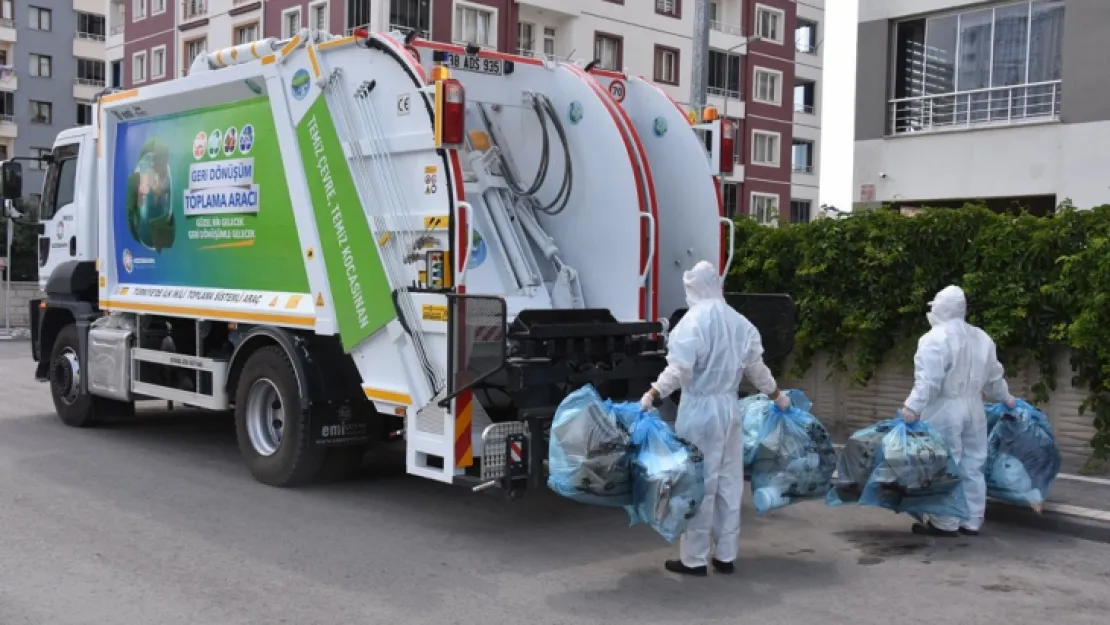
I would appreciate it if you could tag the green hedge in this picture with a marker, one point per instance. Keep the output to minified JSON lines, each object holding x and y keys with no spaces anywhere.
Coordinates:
{"x":1037,"y":285}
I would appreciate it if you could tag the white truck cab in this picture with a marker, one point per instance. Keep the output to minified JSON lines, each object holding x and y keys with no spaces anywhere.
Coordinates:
{"x":68,"y":211}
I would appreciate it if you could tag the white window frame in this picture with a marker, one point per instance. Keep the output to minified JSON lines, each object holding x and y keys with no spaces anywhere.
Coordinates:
{"x":139,"y":59}
{"x":158,"y":10}
{"x":550,"y":33}
{"x":153,"y":52}
{"x":285,"y":21}
{"x":203,"y":41}
{"x":494,"y":22}
{"x":780,"y":14}
{"x":36,"y":64}
{"x":776,"y":200}
{"x":81,"y":103}
{"x":312,"y":8}
{"x":656,"y":74}
{"x":521,"y":49}
{"x":774,"y":74}
{"x":39,"y":12}
{"x":777,"y":137}
{"x":138,"y":10}
{"x":245,"y":25}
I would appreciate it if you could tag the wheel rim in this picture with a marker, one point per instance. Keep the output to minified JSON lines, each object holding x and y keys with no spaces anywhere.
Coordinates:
{"x":65,"y":376}
{"x":265,"y":417}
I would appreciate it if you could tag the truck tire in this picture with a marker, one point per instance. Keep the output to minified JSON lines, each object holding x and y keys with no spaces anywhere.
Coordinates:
{"x":273,"y":431}
{"x":73,"y":408}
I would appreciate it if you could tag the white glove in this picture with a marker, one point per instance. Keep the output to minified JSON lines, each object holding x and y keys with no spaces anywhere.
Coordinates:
{"x":909,"y":416}
{"x":783,"y":402}
{"x":1010,"y":402}
{"x":647,"y":402}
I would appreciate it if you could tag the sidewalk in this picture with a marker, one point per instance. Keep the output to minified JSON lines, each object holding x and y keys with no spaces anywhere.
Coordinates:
{"x":1077,"y":506}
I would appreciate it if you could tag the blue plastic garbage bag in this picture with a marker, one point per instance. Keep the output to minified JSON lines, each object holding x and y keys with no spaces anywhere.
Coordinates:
{"x":589,"y":454}
{"x":788,"y":455}
{"x":1022,"y":456}
{"x":900,"y":467}
{"x":668,"y":475}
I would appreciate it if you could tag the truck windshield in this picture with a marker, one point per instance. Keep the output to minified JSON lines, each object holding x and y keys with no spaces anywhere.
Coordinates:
{"x":61,"y":179}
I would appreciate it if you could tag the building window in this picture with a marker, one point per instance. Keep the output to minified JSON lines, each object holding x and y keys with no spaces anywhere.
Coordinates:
{"x":409,"y":15}
{"x":768,"y":86}
{"x":157,"y":7}
{"x":42,"y":66}
{"x":318,"y":16}
{"x":358,"y":15}
{"x":549,"y":42}
{"x":3,"y":57}
{"x":805,"y":37}
{"x":609,"y":50}
{"x":247,"y":33}
{"x":729,"y":194}
{"x":90,"y":26}
{"x":526,"y":39}
{"x":158,"y":62}
{"x":138,"y":68}
{"x":290,"y":22}
{"x":195,"y":48}
{"x":90,"y":73}
{"x":37,"y":154}
{"x":138,"y":10}
{"x":805,"y":97}
{"x":7,"y":106}
{"x":765,"y":208}
{"x":117,"y":73}
{"x":3,"y":151}
{"x":38,"y":18}
{"x":42,"y":112}
{"x":84,"y":114}
{"x":670,"y":8}
{"x":766,"y":148}
{"x":986,"y":66}
{"x":769,"y":23}
{"x":800,"y":211}
{"x":475,"y":25}
{"x":737,"y":145}
{"x":193,"y":9}
{"x":724,"y":74}
{"x":802,"y":156}
{"x":666,"y":65}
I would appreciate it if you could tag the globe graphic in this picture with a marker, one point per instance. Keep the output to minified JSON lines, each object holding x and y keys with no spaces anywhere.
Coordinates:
{"x":149,"y":210}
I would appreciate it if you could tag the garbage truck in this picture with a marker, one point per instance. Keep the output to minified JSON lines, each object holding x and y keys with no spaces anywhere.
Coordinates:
{"x":347,"y":241}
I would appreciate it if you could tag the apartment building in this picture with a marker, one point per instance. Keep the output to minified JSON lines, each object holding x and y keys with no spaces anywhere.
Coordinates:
{"x":51,"y":68}
{"x":998,"y":101}
{"x":770,"y":86}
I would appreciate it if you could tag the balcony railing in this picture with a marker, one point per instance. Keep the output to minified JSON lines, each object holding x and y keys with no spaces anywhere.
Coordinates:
{"x":802,"y":168}
{"x":7,"y":23}
{"x":117,"y":30}
{"x":805,"y":48}
{"x":730,"y":29}
{"x":998,"y":106}
{"x":89,"y":82}
{"x":722,"y":92}
{"x":193,"y":9}
{"x":236,"y":3}
{"x":91,"y":36}
{"x":351,"y":31}
{"x":804,"y":108}
{"x":421,"y":33}
{"x":7,"y":119}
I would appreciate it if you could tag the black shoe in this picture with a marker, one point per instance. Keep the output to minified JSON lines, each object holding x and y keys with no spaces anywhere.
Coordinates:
{"x":724,"y":568}
{"x":928,"y":529}
{"x":676,"y":566}
{"x":967,"y":532}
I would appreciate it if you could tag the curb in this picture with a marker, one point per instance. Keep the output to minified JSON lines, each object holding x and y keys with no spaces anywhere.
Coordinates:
{"x":1073,"y":521}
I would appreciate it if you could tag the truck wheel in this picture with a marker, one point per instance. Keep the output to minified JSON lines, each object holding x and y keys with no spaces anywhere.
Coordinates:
{"x":73,"y":408}
{"x":273,"y":432}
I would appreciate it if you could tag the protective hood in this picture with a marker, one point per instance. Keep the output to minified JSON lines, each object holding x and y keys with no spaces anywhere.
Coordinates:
{"x":950,"y":304}
{"x":702,"y":284}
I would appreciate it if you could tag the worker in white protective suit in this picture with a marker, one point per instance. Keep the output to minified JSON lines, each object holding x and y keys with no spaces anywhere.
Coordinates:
{"x":955,"y":365}
{"x":707,"y":353}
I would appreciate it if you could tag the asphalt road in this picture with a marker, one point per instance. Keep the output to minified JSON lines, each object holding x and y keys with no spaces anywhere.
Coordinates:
{"x":156,"y":522}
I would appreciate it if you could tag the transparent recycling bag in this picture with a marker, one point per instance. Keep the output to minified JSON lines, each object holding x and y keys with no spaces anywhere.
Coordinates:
{"x":1023,"y":459}
{"x":589,"y":457}
{"x":668,"y":476}
{"x":901,"y":467}
{"x":788,"y":455}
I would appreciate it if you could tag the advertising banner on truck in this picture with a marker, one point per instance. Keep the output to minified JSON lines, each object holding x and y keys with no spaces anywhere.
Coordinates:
{"x":200,"y":200}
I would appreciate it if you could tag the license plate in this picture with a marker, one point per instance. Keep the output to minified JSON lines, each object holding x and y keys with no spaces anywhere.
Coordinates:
{"x":471,"y":63}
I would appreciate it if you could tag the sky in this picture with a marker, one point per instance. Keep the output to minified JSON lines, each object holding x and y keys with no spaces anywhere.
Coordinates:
{"x":838,"y":117}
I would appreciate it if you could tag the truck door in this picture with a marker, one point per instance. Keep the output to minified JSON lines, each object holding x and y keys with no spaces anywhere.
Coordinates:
{"x":65,"y":211}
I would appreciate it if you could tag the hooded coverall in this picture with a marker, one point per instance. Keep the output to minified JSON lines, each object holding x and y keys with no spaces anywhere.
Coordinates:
{"x":955,"y":365}
{"x":708,"y":351}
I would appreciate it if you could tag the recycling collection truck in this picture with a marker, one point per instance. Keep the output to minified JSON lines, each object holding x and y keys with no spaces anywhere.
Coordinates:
{"x":351,"y":240}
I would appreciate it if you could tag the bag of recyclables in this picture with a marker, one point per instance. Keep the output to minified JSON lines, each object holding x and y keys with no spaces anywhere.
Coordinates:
{"x":1022,"y":456}
{"x":668,"y":477}
{"x":589,"y":457}
{"x":901,"y":467}
{"x":788,"y":456}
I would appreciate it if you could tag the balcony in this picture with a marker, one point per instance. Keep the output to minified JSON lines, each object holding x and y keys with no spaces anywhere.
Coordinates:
{"x":726,"y":28}
{"x":7,"y":31}
{"x":88,"y":45}
{"x":560,"y":8}
{"x":86,"y":89}
{"x":193,"y":10}
{"x":421,"y":33}
{"x":95,"y":7}
{"x":8,"y":129}
{"x":978,"y":108}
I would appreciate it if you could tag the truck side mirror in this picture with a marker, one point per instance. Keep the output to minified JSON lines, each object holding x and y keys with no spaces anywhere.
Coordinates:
{"x":11,"y":180}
